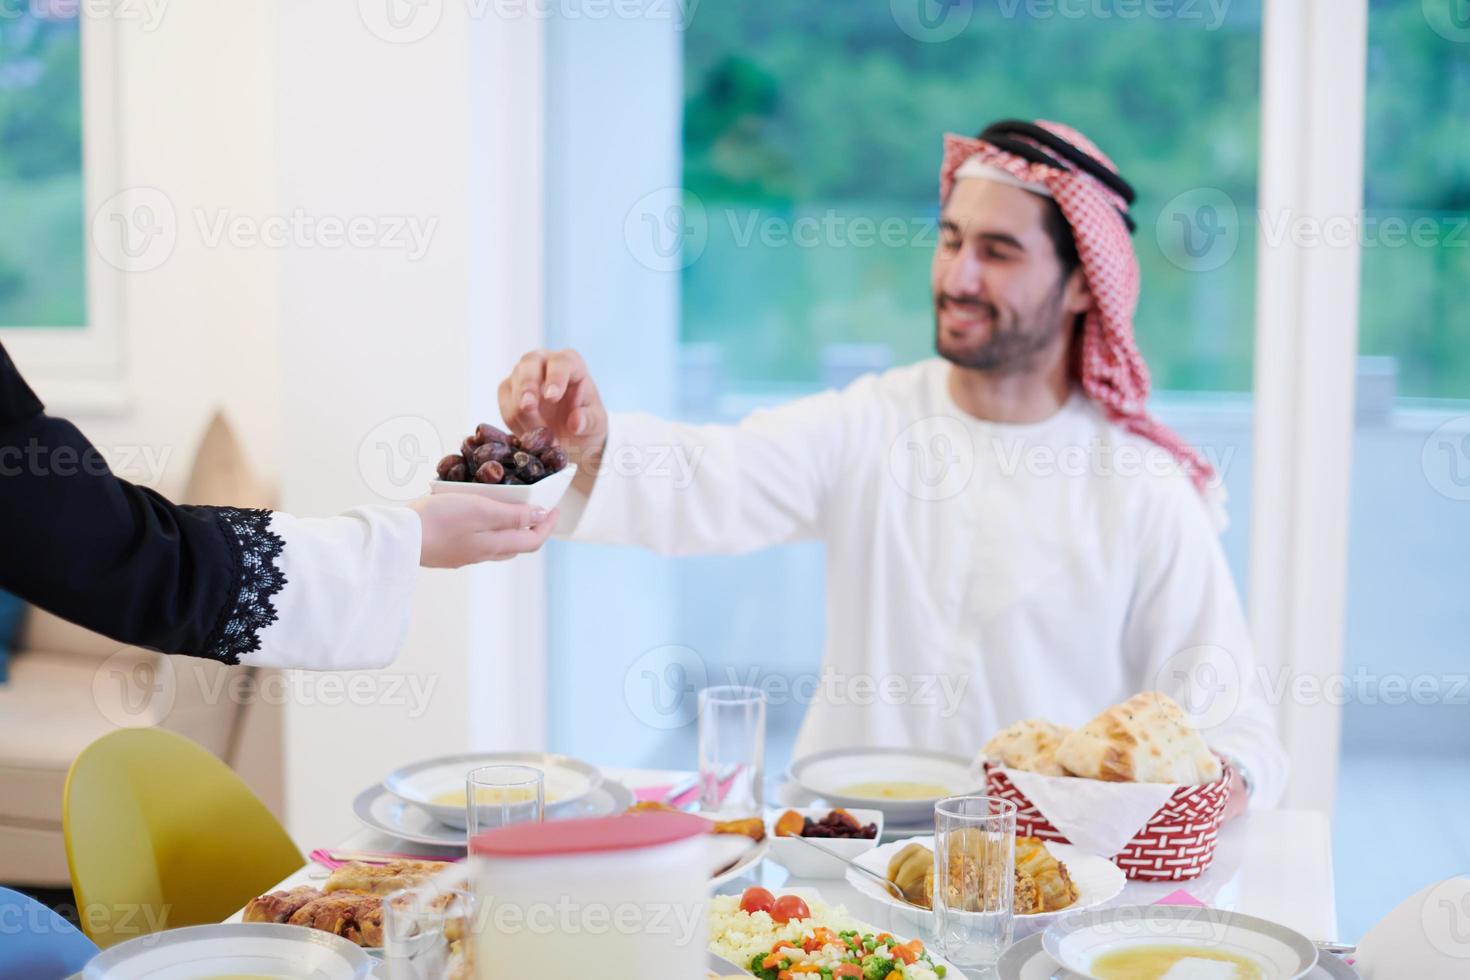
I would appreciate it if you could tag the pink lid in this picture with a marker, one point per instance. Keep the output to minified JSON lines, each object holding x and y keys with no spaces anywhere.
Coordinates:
{"x":625,"y":832}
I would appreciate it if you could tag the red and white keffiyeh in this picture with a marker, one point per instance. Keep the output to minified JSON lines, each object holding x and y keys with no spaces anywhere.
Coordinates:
{"x":1112,"y":371}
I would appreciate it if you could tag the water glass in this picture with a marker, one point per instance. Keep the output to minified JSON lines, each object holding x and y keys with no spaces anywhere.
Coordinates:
{"x":974,"y":878}
{"x":732,"y":751}
{"x":497,"y":796}
{"x":427,"y":931}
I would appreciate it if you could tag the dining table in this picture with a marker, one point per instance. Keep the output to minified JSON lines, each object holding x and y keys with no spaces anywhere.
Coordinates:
{"x":1273,"y":864}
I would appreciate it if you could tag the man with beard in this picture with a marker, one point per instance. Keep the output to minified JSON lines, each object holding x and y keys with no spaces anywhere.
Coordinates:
{"x":1006,"y":519}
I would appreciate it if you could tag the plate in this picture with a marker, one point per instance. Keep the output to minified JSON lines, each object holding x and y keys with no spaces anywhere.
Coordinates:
{"x":1098,"y":881}
{"x":746,"y":864}
{"x":545,"y":492}
{"x":831,"y":775}
{"x":1026,"y":960}
{"x":568,"y":781}
{"x":248,"y":949}
{"x":380,"y":810}
{"x":1076,"y":940}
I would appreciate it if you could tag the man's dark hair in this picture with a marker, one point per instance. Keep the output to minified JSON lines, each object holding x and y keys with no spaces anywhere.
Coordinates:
{"x":1060,"y":233}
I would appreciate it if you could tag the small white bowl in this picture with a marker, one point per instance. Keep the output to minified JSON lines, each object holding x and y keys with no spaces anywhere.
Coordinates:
{"x":807,"y":862}
{"x":543,"y":493}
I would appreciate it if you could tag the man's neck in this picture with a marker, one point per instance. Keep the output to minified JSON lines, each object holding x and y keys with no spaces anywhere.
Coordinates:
{"x":1014,"y":398}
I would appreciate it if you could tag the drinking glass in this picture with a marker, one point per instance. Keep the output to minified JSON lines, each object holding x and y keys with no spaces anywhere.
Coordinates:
{"x":732,"y":751}
{"x":497,"y":796}
{"x":428,"y":930}
{"x":974,"y":878}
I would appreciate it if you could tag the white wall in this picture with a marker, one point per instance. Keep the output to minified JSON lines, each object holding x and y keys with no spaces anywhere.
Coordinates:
{"x":372,"y":341}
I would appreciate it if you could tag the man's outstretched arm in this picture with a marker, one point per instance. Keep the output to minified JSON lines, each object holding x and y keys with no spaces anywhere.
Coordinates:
{"x":683,"y":489}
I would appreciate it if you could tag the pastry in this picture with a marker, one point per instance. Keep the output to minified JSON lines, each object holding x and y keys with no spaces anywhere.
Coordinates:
{"x":279,"y":906}
{"x":381,"y":879}
{"x":355,"y":916}
{"x":1035,"y":863}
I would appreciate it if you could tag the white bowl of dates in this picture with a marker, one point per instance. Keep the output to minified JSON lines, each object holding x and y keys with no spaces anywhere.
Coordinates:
{"x":529,"y":468}
{"x":846,"y":833}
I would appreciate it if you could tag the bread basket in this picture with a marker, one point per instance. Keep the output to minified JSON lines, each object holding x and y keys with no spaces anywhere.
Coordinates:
{"x":1176,"y":844}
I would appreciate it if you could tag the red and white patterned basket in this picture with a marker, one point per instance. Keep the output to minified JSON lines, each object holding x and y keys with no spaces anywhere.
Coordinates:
{"x":1177,"y":843}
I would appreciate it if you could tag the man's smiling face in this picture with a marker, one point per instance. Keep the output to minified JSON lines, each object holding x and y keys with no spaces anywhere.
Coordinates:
{"x":1003,"y":300}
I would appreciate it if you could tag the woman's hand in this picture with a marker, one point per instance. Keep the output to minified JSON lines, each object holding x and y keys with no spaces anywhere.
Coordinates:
{"x":463,"y":529}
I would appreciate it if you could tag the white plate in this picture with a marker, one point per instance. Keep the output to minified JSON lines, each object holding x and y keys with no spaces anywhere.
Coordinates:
{"x":543,"y":493}
{"x":568,"y":781}
{"x":807,"y":862}
{"x":830,"y":774}
{"x":252,"y":949}
{"x":1098,"y":881}
{"x":1075,"y":941}
{"x":1026,"y":960}
{"x":752,"y":855}
{"x":380,"y":810}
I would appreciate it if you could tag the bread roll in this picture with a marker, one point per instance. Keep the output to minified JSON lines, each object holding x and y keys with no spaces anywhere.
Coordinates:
{"x":1030,"y":746}
{"x":1146,"y":739}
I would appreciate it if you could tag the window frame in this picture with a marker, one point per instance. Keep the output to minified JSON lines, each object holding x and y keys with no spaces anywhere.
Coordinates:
{"x":84,"y":370}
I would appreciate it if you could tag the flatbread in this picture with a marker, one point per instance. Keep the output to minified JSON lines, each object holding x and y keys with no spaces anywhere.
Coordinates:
{"x":1146,"y":739}
{"x":1030,"y":746}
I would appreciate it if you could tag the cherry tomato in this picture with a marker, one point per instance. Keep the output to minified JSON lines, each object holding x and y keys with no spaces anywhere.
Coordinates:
{"x":757,"y":900}
{"x":789,"y":907}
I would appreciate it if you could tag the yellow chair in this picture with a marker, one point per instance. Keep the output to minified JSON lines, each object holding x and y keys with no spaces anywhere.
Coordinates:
{"x":161,"y":834}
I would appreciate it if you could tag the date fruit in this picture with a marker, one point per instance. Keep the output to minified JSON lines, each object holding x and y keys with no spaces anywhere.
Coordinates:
{"x":492,"y":455}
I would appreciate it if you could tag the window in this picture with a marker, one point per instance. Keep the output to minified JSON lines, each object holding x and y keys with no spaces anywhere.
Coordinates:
{"x":42,"y":256}
{"x":1406,"y":717}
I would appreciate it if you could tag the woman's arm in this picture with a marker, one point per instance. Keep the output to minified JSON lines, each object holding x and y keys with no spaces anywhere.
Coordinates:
{"x":235,"y":585}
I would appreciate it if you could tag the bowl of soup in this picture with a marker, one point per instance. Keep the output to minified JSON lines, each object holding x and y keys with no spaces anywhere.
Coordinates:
{"x":903,"y":783}
{"x":437,"y":786}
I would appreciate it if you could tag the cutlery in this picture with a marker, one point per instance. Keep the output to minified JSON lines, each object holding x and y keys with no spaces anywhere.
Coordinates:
{"x":892,"y":889}
{"x":679,"y":789}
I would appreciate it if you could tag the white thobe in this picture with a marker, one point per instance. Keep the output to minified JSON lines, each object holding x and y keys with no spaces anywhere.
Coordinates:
{"x":978,"y":573}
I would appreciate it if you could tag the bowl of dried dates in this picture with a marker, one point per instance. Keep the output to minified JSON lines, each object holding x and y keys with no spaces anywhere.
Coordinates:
{"x":529,"y":468}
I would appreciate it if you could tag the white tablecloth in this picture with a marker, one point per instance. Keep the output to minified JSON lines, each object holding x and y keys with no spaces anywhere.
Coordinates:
{"x":1275,"y":864}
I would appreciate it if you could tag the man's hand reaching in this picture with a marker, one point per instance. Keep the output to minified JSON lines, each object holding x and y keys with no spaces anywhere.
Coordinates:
{"x":553,"y":388}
